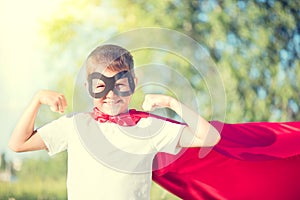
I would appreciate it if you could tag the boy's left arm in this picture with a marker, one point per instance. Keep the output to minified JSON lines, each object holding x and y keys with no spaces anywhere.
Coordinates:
{"x":198,"y":132}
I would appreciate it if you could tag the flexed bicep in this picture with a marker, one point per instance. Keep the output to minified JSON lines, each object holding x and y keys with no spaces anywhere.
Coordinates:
{"x":24,"y":138}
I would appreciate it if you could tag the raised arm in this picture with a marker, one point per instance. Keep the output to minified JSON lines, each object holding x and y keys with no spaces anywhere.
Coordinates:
{"x":198,"y":132}
{"x":24,"y":138}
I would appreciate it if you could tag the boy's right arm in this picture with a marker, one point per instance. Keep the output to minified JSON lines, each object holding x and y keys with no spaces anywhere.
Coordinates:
{"x":24,"y":138}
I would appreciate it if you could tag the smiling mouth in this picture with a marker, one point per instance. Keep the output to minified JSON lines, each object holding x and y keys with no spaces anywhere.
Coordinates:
{"x":112,"y":102}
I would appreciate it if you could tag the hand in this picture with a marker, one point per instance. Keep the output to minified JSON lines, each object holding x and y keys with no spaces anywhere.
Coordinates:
{"x":56,"y":101}
{"x":154,"y":101}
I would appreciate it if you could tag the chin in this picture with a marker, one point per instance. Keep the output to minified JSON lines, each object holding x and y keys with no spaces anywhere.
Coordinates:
{"x":112,"y":110}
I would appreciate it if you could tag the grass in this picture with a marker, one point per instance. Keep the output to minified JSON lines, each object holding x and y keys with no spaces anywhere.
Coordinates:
{"x":33,"y":190}
{"x":45,"y":179}
{"x":56,"y":190}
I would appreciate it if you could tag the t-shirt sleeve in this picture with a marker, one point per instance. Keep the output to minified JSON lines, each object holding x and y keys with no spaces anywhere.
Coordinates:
{"x":167,"y":139}
{"x":55,"y":134}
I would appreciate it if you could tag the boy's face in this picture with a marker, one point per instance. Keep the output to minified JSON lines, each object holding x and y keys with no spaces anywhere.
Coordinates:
{"x":112,"y":91}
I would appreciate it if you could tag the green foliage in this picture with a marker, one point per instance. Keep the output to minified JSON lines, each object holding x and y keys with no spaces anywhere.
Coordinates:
{"x":158,"y":192}
{"x":56,"y":190}
{"x":45,"y":179}
{"x":36,"y":189}
{"x":54,"y":168}
{"x":254,"y":43}
{"x":38,"y":179}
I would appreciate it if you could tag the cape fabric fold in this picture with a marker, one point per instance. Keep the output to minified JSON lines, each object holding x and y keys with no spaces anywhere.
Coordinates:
{"x":252,"y":161}
{"x":256,"y":161}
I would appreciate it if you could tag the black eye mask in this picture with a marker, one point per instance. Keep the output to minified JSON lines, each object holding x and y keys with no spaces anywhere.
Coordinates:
{"x":110,"y":84}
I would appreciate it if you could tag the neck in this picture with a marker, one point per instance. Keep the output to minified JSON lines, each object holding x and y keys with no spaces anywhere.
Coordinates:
{"x":96,"y":109}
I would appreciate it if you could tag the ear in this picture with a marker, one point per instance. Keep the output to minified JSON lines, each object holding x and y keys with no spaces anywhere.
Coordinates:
{"x":86,"y":85}
{"x":135,"y":81}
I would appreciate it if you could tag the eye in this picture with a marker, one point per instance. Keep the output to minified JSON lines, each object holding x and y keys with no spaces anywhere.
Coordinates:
{"x":122,"y":87}
{"x":119,"y":85}
{"x":100,"y":86}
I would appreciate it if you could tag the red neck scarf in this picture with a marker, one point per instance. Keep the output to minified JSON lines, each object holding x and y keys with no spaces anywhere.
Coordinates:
{"x":130,"y":118}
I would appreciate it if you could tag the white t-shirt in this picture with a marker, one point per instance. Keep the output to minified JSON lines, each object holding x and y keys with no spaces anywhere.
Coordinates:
{"x":108,"y":161}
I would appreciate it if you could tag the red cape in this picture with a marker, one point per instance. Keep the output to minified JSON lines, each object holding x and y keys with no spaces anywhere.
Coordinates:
{"x":257,"y":161}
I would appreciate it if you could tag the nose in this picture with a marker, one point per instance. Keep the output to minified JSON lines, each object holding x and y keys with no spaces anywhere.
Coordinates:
{"x":110,"y":94}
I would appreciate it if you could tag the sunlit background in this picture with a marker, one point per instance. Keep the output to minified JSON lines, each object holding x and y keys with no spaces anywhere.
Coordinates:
{"x":22,"y":68}
{"x":255,"y":45}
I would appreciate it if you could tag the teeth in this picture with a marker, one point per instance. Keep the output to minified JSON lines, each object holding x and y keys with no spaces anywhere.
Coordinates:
{"x":110,"y":102}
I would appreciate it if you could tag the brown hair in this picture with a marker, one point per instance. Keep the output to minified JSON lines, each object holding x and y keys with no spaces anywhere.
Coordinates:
{"x":112,"y":57}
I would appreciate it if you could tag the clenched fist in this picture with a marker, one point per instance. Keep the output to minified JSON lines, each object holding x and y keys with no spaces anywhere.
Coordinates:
{"x":154,"y":101}
{"x":56,"y":101}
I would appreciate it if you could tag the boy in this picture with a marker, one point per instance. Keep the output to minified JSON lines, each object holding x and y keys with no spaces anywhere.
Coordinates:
{"x":98,"y":143}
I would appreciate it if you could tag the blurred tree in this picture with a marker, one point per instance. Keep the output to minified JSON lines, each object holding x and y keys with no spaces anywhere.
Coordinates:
{"x":44,"y":169}
{"x":3,"y":162}
{"x":256,"y":44}
{"x":37,"y":179}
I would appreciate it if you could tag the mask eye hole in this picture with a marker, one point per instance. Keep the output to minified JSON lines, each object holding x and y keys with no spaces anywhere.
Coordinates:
{"x":98,"y":86}
{"x":122,"y":85}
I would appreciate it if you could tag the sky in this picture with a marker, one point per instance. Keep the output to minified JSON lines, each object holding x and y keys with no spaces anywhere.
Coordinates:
{"x":21,"y":69}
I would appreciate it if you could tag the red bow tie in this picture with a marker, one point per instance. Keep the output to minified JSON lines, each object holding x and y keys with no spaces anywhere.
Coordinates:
{"x":130,"y":118}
